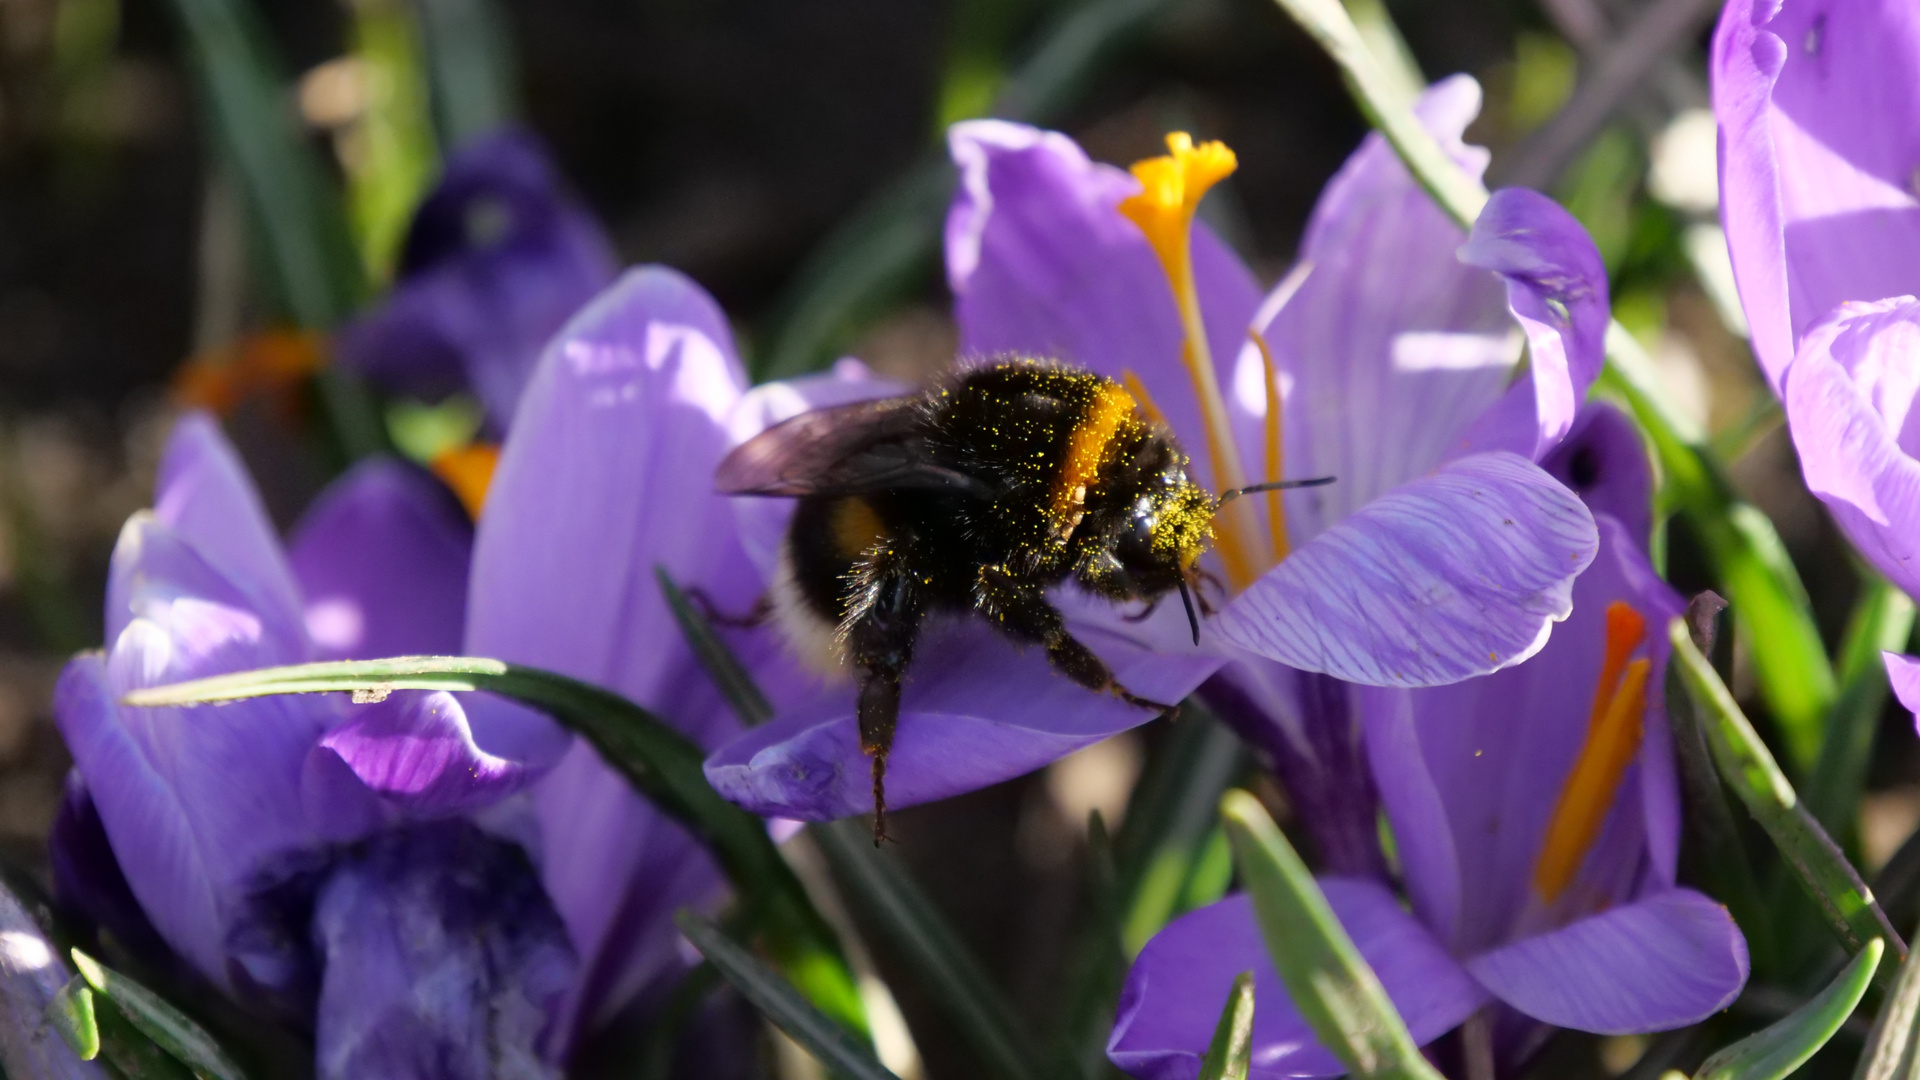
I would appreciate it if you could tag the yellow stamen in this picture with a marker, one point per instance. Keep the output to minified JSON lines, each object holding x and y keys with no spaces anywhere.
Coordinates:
{"x":468,"y":472}
{"x":1613,"y":739}
{"x":270,"y":362}
{"x":1170,"y":191}
{"x":1276,"y":452}
{"x":1139,"y":391}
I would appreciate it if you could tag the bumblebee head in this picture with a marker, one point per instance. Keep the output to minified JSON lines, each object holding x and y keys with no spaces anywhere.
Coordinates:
{"x":1170,"y":524}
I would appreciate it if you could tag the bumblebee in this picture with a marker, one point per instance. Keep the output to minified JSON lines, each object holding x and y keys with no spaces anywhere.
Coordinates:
{"x":973,"y":497}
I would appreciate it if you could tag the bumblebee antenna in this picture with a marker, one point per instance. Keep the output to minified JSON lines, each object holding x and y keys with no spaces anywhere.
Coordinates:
{"x":1272,"y":485}
{"x":1186,"y":600}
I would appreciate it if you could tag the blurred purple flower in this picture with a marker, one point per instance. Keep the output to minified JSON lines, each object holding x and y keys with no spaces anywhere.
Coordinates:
{"x":1819,"y":131}
{"x":246,"y":833}
{"x":1442,"y":551}
{"x":496,"y":260}
{"x":1536,"y":817}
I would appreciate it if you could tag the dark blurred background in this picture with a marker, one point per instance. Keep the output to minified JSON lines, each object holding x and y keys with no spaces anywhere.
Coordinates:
{"x":744,"y":142}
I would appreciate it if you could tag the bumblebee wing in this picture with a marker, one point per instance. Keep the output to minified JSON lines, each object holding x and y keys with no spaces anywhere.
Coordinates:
{"x":850,"y":449}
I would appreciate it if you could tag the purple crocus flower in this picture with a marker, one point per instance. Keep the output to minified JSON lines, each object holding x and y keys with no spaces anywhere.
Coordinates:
{"x":1536,"y":817}
{"x":302,"y":854}
{"x":496,"y":260}
{"x":1819,"y":131}
{"x":1442,"y":551}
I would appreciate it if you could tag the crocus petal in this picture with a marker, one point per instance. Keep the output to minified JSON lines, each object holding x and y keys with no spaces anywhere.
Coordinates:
{"x":1557,"y":291}
{"x":1470,"y":773}
{"x":32,"y":973}
{"x":1041,"y":263}
{"x":203,"y":495}
{"x":1457,"y":574}
{"x":416,"y":751}
{"x":1175,"y":990}
{"x":87,"y":878}
{"x":1603,"y":460}
{"x":960,"y":727}
{"x":441,"y":960}
{"x":1819,"y":110}
{"x":1386,"y":332}
{"x":497,"y":259}
{"x":1849,"y":398}
{"x":1903,"y":672}
{"x":382,"y":559}
{"x":1665,"y":961}
{"x":608,"y":474}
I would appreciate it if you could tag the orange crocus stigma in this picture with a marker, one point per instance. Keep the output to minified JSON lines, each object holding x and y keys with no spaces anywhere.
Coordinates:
{"x":272,"y":362}
{"x":1171,"y":188}
{"x":1614,"y":730}
{"x":468,"y":472}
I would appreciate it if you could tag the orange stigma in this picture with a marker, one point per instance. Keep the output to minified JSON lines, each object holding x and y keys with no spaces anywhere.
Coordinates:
{"x":1614,"y":730}
{"x":468,"y":473}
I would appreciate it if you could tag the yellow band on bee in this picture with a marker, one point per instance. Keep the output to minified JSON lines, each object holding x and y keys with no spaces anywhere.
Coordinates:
{"x":1111,"y":407}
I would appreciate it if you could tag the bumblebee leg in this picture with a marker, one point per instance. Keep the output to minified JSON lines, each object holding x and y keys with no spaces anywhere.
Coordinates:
{"x":1023,"y":613}
{"x":883,"y":622}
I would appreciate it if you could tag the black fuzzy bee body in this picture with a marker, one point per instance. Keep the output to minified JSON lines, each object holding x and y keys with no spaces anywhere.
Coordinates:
{"x":974,"y":496}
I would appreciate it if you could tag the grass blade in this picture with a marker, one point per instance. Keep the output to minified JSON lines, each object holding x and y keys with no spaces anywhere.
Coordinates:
{"x":311,"y":263}
{"x":1336,"y":992}
{"x":1891,"y":1047}
{"x":168,"y":1027}
{"x":1752,"y":565}
{"x":36,"y":995}
{"x":1882,"y":621}
{"x":943,"y":965}
{"x":1775,"y":1051}
{"x":1722,"y":852}
{"x":728,"y":674}
{"x":1230,"y":1054}
{"x":1749,"y":769}
{"x":780,"y":1003}
{"x":1169,"y":821}
{"x":658,"y":761}
{"x":887,"y":246}
{"x":73,"y":1017}
{"x":469,"y":67}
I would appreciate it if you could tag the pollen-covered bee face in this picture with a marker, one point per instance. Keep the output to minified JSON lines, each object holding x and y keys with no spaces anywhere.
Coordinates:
{"x":1171,"y":522}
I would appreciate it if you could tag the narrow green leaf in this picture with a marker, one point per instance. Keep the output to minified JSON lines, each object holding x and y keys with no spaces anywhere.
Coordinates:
{"x":658,"y":761}
{"x":34,"y":978}
{"x":1892,"y":1048}
{"x":128,"y":1050}
{"x":73,"y":1017}
{"x":167,"y":1026}
{"x":395,"y":157}
{"x":1749,"y":769}
{"x":1173,"y":811}
{"x":1770,"y":604}
{"x":779,"y":1002}
{"x":309,"y":251}
{"x":885,"y":248}
{"x":1230,"y":1054}
{"x":470,"y":65}
{"x":1775,"y":1051}
{"x":1096,"y":966}
{"x":1722,"y":853}
{"x":1330,"y":983}
{"x":943,"y":967}
{"x":728,"y":674}
{"x":1882,"y":621}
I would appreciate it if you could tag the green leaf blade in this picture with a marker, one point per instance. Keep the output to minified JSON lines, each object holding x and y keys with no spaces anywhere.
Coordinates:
{"x":1748,"y":767}
{"x":1774,"y":1052}
{"x":73,"y":1017}
{"x":1230,"y":1054}
{"x":780,"y":1003}
{"x":168,"y":1027}
{"x":1330,"y":983}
